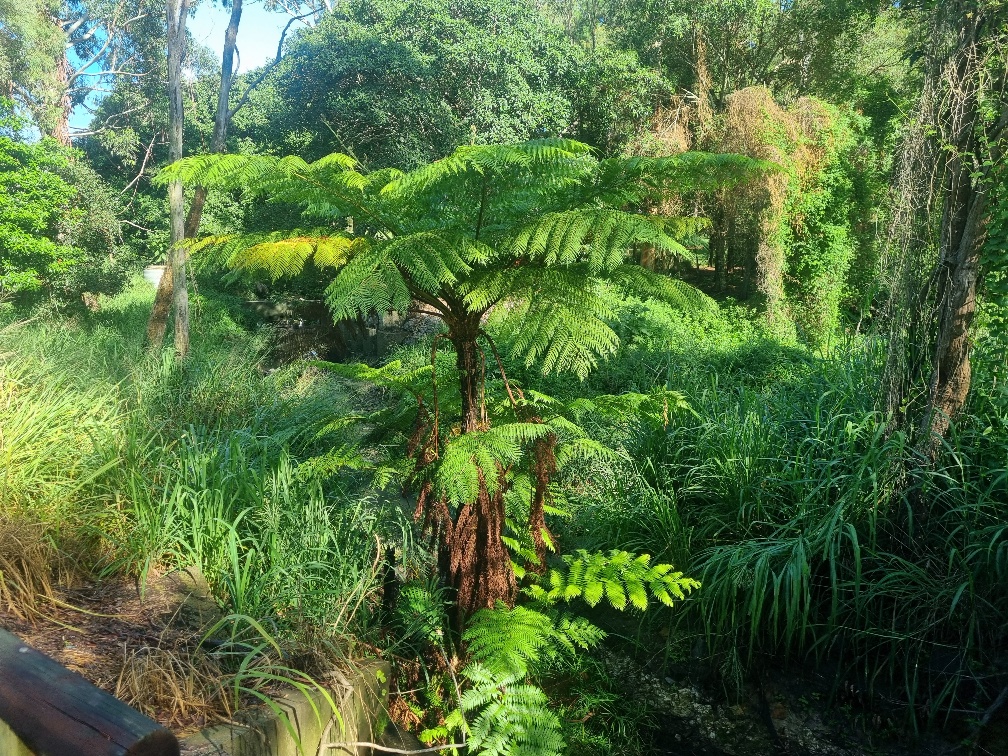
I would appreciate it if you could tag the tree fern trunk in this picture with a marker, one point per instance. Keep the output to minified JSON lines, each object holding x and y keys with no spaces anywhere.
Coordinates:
{"x":470,"y":367}
{"x":480,"y":566}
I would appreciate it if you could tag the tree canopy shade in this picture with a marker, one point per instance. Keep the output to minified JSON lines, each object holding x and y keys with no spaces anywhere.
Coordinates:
{"x":532,"y":229}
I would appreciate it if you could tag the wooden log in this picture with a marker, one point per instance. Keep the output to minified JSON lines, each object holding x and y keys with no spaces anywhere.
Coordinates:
{"x":56,"y":712}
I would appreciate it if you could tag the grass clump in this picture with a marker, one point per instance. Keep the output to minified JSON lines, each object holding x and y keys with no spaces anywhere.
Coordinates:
{"x":117,"y":462}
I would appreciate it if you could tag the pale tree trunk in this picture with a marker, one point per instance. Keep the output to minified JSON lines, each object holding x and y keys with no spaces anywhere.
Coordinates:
{"x":174,"y":286}
{"x":162,"y":302}
{"x":223,"y":116}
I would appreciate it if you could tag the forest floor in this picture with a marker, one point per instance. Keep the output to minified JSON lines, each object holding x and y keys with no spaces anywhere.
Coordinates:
{"x":137,"y":646}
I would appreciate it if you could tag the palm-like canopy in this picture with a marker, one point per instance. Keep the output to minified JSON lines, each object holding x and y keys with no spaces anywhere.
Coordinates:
{"x":536,"y":225}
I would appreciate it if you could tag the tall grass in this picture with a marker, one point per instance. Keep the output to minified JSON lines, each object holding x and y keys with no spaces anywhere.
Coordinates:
{"x":816,"y":530}
{"x":166,"y":465}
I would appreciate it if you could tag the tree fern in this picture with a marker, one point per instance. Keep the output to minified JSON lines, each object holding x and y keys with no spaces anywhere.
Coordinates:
{"x":530,"y":232}
{"x":511,"y":716}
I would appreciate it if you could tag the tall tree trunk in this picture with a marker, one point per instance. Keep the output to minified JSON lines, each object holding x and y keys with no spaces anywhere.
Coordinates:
{"x":962,"y":232}
{"x":162,"y":307}
{"x":174,"y":286}
{"x":165,"y":294}
{"x":718,"y":245}
{"x":221,"y":120}
{"x":61,"y":114}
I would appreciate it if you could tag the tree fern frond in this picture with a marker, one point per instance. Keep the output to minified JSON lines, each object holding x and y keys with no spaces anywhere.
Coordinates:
{"x":659,"y":404}
{"x":481,"y":455}
{"x":619,"y":576}
{"x":288,"y":255}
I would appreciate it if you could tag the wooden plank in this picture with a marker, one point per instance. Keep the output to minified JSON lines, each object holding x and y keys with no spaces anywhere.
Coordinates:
{"x":56,"y":712}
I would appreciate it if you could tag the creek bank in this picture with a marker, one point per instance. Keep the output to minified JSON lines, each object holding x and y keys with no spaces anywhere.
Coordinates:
{"x":788,"y":714}
{"x":304,"y":329}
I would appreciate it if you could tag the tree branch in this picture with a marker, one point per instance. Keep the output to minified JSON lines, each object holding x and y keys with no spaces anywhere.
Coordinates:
{"x":265,"y":71}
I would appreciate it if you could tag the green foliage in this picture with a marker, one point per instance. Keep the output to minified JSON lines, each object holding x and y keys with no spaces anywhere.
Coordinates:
{"x":156,"y":465}
{"x":796,"y":48}
{"x":30,"y":47}
{"x":398,"y":83}
{"x":35,"y":198}
{"x":508,"y":647}
{"x":58,"y":224}
{"x":522,"y":641}
{"x":831,"y":259}
{"x":806,"y":518}
{"x":512,"y":716}
{"x":618,"y":576}
{"x":537,"y":225}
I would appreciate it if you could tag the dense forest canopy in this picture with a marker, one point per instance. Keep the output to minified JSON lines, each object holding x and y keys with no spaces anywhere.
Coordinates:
{"x":545,"y":349}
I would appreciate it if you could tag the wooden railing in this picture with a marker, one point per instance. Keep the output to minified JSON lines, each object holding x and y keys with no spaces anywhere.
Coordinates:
{"x":56,"y":712}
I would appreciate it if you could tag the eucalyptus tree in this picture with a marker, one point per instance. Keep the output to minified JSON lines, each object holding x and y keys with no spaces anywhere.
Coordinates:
{"x":530,"y":231}
{"x":30,"y":47}
{"x":173,"y":290}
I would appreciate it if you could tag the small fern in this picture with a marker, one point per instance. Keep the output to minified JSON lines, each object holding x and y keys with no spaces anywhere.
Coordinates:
{"x":510,"y":715}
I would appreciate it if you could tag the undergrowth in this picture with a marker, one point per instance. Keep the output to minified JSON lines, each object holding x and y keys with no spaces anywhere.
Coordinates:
{"x":816,"y":530}
{"x":116,"y":462}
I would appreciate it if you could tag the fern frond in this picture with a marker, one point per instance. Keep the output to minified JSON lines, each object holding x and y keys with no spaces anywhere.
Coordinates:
{"x":619,"y":576}
{"x":481,"y":455}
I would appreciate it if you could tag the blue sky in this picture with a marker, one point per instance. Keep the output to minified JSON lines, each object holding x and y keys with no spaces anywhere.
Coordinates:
{"x":258,"y":36}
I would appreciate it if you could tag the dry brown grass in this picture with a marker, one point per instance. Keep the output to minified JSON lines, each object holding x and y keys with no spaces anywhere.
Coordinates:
{"x":178,"y":687}
{"x":27,"y":565}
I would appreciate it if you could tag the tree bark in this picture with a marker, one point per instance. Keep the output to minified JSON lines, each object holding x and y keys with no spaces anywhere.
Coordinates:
{"x":177,"y":12}
{"x":61,"y":116}
{"x":963,"y":231}
{"x":162,"y":307}
{"x":190,"y":226}
{"x":479,"y":566}
{"x":469,"y":363}
{"x":221,"y":120}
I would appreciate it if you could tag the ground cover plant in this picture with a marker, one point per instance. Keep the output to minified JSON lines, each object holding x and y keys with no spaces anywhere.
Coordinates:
{"x":130,"y":465}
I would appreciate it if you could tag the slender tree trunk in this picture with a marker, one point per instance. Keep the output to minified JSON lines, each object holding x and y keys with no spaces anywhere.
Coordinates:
{"x":222,"y":118}
{"x":165,"y":294}
{"x":162,"y":307}
{"x":175,"y":287}
{"x":718,"y":245}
